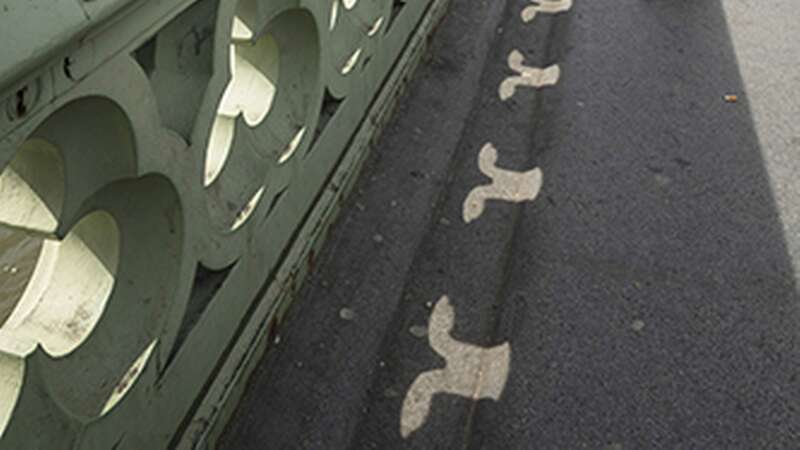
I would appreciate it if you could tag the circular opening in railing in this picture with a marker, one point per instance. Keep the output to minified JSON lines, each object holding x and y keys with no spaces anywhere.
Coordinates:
{"x":74,"y":221}
{"x":31,"y":195}
{"x":52,"y":290}
{"x":254,"y":68}
{"x":265,"y":110}
{"x":67,"y":291}
{"x":136,"y":232}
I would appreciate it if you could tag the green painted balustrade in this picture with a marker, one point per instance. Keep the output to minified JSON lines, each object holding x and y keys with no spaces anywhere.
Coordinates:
{"x":167,"y":171}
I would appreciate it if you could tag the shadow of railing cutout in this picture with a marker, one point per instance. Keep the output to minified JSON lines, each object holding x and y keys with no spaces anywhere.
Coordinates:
{"x":472,"y":372}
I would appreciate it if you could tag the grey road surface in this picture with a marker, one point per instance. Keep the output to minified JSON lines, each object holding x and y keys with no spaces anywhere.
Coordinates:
{"x":645,"y":299}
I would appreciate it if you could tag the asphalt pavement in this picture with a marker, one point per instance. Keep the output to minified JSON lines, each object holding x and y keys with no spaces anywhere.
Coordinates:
{"x":643,"y":296}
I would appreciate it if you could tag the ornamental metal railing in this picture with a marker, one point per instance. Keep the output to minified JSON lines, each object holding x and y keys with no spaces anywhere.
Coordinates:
{"x":166,"y":171}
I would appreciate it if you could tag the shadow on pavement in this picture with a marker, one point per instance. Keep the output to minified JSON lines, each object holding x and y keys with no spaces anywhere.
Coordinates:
{"x":661,"y":300}
{"x":647,"y":295}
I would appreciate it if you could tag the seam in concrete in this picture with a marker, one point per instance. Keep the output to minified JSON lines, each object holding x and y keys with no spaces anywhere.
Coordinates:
{"x":510,"y":251}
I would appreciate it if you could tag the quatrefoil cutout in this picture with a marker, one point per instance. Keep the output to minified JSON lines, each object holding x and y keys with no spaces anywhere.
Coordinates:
{"x":254,"y":68}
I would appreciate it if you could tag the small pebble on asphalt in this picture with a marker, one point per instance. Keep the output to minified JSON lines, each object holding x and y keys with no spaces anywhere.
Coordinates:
{"x":419,"y":331}
{"x":391,"y":393}
{"x":347,"y":314}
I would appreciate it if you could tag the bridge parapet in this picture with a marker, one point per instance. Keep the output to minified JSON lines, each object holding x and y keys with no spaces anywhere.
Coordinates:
{"x":166,"y":172}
